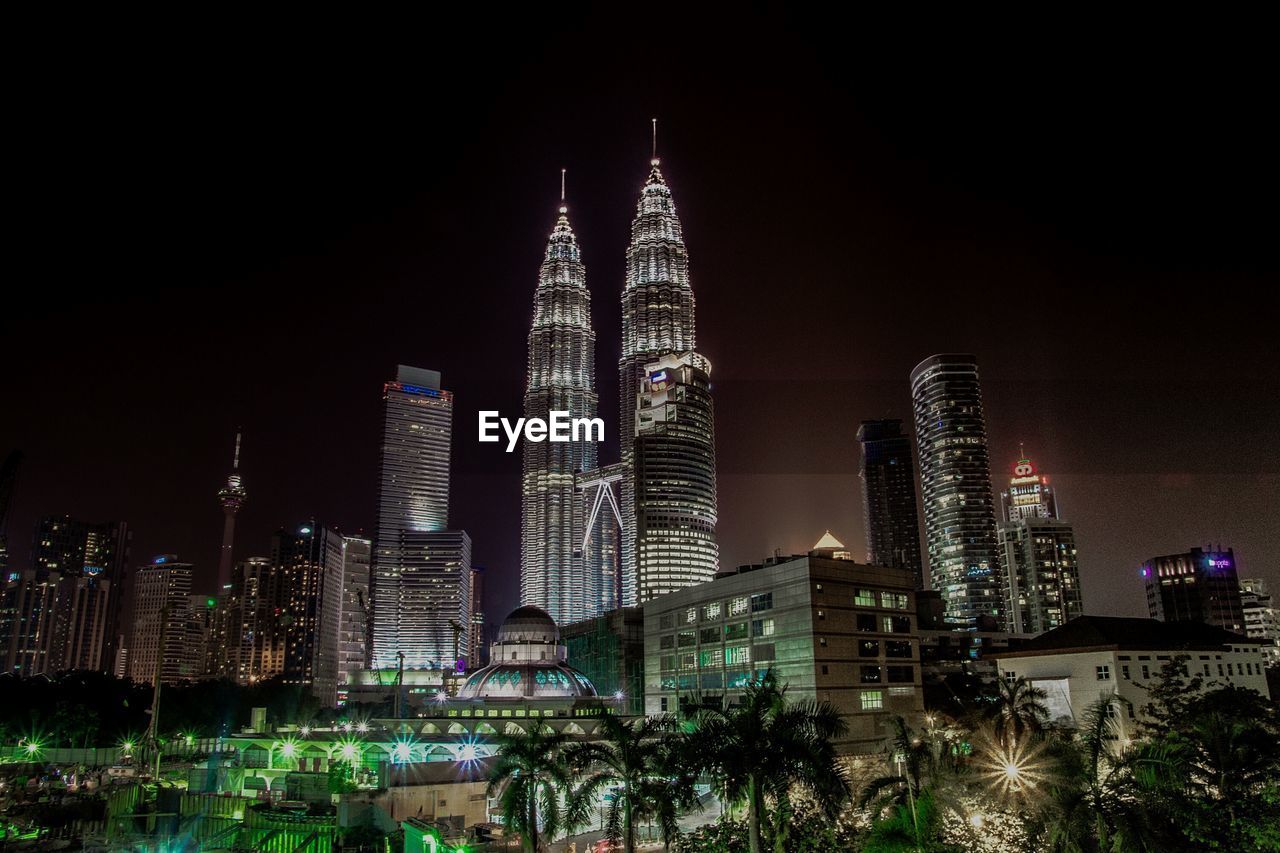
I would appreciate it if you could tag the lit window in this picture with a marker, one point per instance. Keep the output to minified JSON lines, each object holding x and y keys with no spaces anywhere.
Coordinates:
{"x":864,"y":598}
{"x":711,"y":611}
{"x":762,"y":627}
{"x":738,"y":606}
{"x":872,"y":700}
{"x":736,"y":655}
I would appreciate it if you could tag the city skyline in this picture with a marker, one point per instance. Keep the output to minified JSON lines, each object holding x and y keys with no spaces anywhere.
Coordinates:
{"x":872,"y":229}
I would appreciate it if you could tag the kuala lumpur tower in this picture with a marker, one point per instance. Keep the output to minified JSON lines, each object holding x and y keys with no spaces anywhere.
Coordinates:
{"x":231,"y":496}
{"x":555,"y":573}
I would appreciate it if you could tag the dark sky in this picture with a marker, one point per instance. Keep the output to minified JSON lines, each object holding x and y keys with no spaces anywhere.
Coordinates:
{"x":253,"y":225}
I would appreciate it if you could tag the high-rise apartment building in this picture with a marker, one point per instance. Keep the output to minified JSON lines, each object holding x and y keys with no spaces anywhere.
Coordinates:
{"x":674,"y":477}
{"x":955,"y":477}
{"x":161,"y":608}
{"x":420,"y":580}
{"x":1197,"y":586}
{"x":888,"y":475}
{"x":255,"y":634}
{"x":556,"y":573}
{"x":1261,"y":617}
{"x":26,"y":621}
{"x":658,"y":324}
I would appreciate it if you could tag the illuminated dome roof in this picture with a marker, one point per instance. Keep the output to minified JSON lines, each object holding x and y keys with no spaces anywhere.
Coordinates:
{"x":527,"y":661}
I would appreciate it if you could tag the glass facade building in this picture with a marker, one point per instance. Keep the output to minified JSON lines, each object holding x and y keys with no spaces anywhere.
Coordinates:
{"x":955,"y":478}
{"x":161,"y":610}
{"x":556,"y":573}
{"x":888,"y":475}
{"x":1198,"y":586}
{"x":420,"y":579}
{"x":658,"y":321}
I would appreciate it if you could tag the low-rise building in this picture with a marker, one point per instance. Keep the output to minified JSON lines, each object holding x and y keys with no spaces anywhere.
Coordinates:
{"x":609,"y":651}
{"x":830,"y":629}
{"x":1093,"y":657}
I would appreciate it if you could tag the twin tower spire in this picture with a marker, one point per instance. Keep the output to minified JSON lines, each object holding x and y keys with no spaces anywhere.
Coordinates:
{"x":573,"y":562}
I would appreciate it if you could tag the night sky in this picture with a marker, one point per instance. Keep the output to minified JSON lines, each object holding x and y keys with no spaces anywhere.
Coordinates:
{"x":255,"y":230}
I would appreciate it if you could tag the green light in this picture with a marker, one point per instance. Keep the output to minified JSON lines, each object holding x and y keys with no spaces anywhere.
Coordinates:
{"x":33,"y":747}
{"x":212,"y":602}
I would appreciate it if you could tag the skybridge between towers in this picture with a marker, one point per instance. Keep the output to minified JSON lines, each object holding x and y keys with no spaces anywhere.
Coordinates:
{"x":597,"y":485}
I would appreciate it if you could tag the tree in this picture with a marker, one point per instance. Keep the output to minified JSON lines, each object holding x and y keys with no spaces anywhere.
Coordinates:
{"x":1019,"y":708}
{"x":631,"y":757}
{"x":763,"y":746}
{"x":529,"y":777}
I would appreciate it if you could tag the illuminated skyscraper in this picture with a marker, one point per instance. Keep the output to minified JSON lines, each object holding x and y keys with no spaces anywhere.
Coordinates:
{"x":674,"y":477}
{"x":658,"y":321}
{"x":1029,"y":494}
{"x":312,"y":560}
{"x":1197,"y":586}
{"x":161,"y":608}
{"x":232,"y":497}
{"x":888,"y":475}
{"x":556,"y":574}
{"x":421,"y":570}
{"x":353,"y":635}
{"x":955,"y":475}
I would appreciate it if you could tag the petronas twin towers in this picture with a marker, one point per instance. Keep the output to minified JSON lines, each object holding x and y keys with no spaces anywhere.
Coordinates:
{"x":573,"y":563}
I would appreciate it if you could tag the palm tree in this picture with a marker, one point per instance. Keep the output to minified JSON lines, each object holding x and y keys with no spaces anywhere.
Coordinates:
{"x":1019,"y":708}
{"x":634,"y":758}
{"x":530,"y":776}
{"x":923,"y":760}
{"x":764,"y":745}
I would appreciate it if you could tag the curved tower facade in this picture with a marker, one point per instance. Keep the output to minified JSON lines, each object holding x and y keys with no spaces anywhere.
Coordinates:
{"x":955,"y":478}
{"x":555,"y":574}
{"x":658,"y":324}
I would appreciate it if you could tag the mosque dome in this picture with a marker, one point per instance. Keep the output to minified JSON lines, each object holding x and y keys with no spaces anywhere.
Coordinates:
{"x":527,"y":661}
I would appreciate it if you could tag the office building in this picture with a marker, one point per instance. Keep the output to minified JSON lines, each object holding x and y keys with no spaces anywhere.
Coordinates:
{"x":353,"y":631}
{"x":310,"y":560}
{"x":955,"y":477}
{"x":888,"y":475}
{"x":421,"y":575}
{"x":1037,"y":556}
{"x":674,"y":477}
{"x":609,"y":651}
{"x":658,"y":321}
{"x":1095,"y":656}
{"x":26,"y":620}
{"x":161,"y":607}
{"x":1197,"y":586}
{"x":556,"y":572}
{"x":476,"y":653}
{"x":256,"y":633}
{"x":830,"y":629}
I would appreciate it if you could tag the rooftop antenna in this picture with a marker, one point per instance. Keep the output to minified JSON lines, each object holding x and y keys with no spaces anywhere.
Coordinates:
{"x":655,"y":142}
{"x":235,"y":461}
{"x":563,"y":207}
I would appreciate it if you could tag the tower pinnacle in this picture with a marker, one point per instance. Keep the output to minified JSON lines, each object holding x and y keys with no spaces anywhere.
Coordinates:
{"x":232,"y":497}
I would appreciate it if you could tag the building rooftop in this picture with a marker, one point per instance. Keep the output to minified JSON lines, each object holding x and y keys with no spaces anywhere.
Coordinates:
{"x":1088,"y":633}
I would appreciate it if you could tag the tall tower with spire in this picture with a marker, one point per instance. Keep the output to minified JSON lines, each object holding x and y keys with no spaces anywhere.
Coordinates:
{"x":556,"y":574}
{"x":232,"y":497}
{"x":668,"y":497}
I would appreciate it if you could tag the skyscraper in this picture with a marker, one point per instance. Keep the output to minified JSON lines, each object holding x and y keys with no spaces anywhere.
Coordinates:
{"x":353,"y":633}
{"x":955,"y":476}
{"x":888,"y":475}
{"x":1197,"y":586}
{"x":232,"y":497}
{"x":256,"y":600}
{"x":674,"y":477}
{"x":1029,"y":494}
{"x":657,"y":321}
{"x":555,"y":573}
{"x":311,"y":560}
{"x":161,"y":608}
{"x":1038,"y":555}
{"x":421,"y":570}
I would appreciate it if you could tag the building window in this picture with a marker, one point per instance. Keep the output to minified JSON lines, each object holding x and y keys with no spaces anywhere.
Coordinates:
{"x":897,"y":649}
{"x":668,"y":662}
{"x":901,"y":691}
{"x":893,"y":600}
{"x":738,"y":606}
{"x":764,"y":652}
{"x":872,"y":700}
{"x":1103,"y":673}
{"x":822,"y":614}
{"x":869,"y":674}
{"x":901,"y":675}
{"x":864,"y":598}
{"x":824,"y":669}
{"x":868,"y":649}
{"x":817,"y":587}
{"x":735,"y":631}
{"x":734,"y":655}
{"x":667,"y":642}
{"x":822,"y":641}
{"x":1146,"y":672}
{"x":897,"y":625}
{"x":666,"y":620}
{"x":688,"y":661}
{"x":761,"y":602}
{"x":711,"y":611}
{"x":1124,"y":672}
{"x":866,"y":622}
{"x":762,"y":627}
{"x":691,"y":616}
{"x":686,"y":638}
{"x":709,"y":635}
